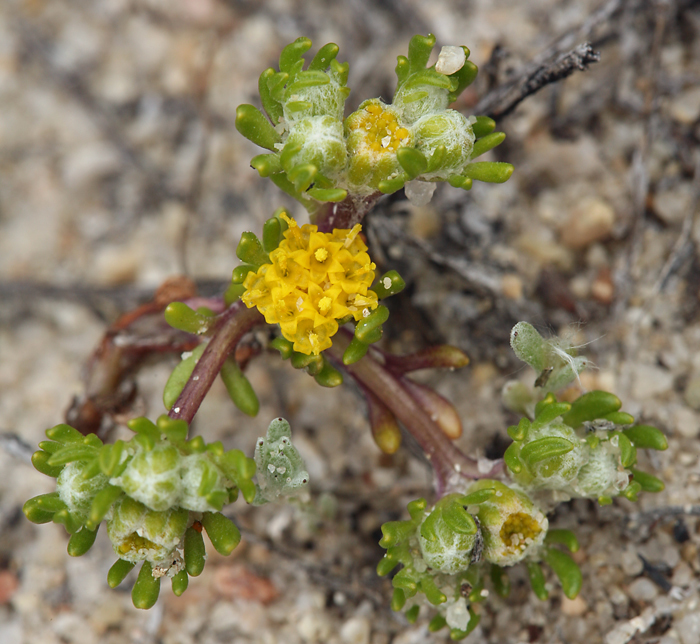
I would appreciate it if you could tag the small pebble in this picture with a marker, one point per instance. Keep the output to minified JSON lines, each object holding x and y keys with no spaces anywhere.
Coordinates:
{"x":355,"y":631}
{"x":592,"y":221}
{"x":642,"y":589}
{"x":573,"y":607}
{"x":688,"y":628}
{"x":692,"y":393}
{"x":630,"y":563}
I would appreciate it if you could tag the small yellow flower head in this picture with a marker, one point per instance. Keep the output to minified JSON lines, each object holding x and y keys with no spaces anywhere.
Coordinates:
{"x":313,"y":280}
{"x":374,"y":135}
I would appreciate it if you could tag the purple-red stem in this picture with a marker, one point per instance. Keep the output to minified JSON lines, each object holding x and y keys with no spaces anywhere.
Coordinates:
{"x":344,"y":214}
{"x":233,"y":323}
{"x":448,"y":462}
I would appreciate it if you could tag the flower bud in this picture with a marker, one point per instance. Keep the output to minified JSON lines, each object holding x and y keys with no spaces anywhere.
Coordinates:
{"x":318,"y":141}
{"x":447,"y":536}
{"x":76,"y":491}
{"x":451,"y":130}
{"x":153,"y":477}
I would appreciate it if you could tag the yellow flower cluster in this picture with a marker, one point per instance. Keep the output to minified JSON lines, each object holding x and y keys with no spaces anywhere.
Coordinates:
{"x":314,"y":279}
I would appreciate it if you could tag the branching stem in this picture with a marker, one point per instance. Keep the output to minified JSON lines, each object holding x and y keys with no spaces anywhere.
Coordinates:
{"x":449,"y":464}
{"x":232,"y":325}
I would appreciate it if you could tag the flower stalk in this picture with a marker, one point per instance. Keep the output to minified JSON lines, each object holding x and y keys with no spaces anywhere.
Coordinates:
{"x":450,"y":465}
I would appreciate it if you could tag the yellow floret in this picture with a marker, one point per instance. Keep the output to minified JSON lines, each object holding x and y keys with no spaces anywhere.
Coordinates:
{"x":381,"y":128}
{"x":313,"y":279}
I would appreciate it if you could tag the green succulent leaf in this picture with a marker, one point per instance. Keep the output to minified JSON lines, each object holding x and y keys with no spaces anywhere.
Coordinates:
{"x":512,"y":459}
{"x":329,"y":376}
{"x":81,"y":542}
{"x":487,"y":143}
{"x":412,"y":161}
{"x":566,"y":569}
{"x":253,"y":125}
{"x":195,"y":553}
{"x":536,"y":576}
{"x":549,"y":413}
{"x":563,"y":537}
{"x":239,"y":389}
{"x":368,"y":325}
{"x":101,"y":504}
{"x":519,"y":432}
{"x":646,"y":437}
{"x":145,"y":593}
{"x":594,"y":404}
{"x":180,"y":582}
{"x":180,"y":375}
{"x":284,"y":346}
{"x":489,"y":171}
{"x":64,"y":434}
{"x":398,"y":599}
{"x":648,"y":482}
{"x":628,"y":453}
{"x":118,"y":572}
{"x":355,"y":351}
{"x":222,"y":532}
{"x":272,"y":233}
{"x":544,"y":448}
{"x":483,"y":126}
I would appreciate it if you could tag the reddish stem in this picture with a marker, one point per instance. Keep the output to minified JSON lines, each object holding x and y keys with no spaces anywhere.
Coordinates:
{"x":233,"y":323}
{"x":345,"y":214}
{"x":450,"y":465}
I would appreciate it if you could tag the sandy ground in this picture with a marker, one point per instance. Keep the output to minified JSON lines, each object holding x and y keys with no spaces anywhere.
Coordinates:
{"x":120,"y":166}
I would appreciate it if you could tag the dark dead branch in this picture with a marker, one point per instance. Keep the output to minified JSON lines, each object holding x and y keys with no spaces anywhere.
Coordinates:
{"x":504,"y":99}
